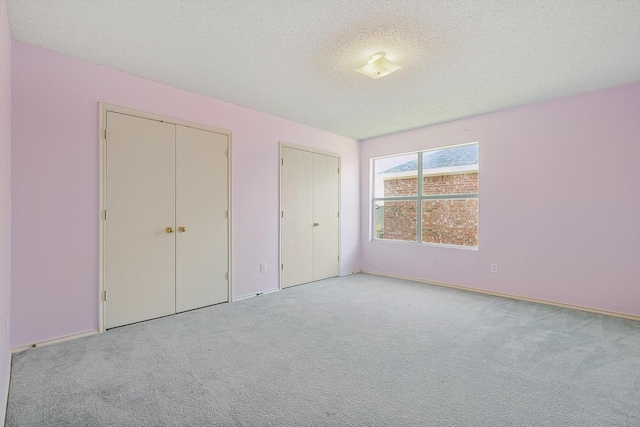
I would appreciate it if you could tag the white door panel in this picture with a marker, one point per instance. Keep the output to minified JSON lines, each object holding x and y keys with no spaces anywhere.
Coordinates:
{"x":201,"y":207}
{"x":140,"y":200}
{"x":297,"y":221}
{"x":310,"y":223}
{"x":325,"y":214}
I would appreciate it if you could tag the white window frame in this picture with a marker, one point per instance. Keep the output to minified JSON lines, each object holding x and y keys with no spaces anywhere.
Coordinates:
{"x":420,"y":197}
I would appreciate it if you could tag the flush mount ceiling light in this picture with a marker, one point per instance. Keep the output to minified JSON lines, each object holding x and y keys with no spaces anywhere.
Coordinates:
{"x":378,"y":66}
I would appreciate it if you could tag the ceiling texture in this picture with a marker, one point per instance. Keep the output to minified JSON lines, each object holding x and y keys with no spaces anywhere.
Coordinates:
{"x":297,"y":58}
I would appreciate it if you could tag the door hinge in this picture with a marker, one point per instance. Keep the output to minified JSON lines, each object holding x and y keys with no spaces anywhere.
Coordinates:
{"x":338,"y":214}
{"x":226,"y":214}
{"x":338,"y":257}
{"x":104,"y":214}
{"x":104,"y":296}
{"x":282,"y":214}
{"x":227,"y":154}
{"x":338,"y":170}
{"x":226,"y":276}
{"x":282,"y":267}
{"x":105,"y":134}
{"x":282,"y":162}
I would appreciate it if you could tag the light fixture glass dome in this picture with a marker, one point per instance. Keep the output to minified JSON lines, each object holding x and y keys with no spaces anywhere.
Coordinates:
{"x":378,"y":66}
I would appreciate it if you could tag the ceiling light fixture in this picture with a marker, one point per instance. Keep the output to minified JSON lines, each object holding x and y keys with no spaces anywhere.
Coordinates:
{"x":378,"y":66}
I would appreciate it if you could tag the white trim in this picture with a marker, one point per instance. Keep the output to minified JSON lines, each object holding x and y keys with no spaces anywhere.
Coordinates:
{"x":432,"y":245}
{"x":372,"y":202}
{"x":102,"y":160}
{"x":280,"y":160}
{"x":157,"y":117}
{"x":349,"y":273}
{"x":510,"y":296}
{"x":230,"y":216}
{"x":5,"y":394}
{"x":54,"y":341}
{"x":315,"y":151}
{"x":103,"y":109}
{"x":270,"y":291}
{"x":309,"y":149}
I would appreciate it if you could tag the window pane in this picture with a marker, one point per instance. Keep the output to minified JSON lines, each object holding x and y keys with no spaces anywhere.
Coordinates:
{"x":450,"y":222}
{"x":396,"y":176}
{"x":458,"y":183}
{"x":460,"y":156}
{"x":395,"y":220}
{"x":450,"y":170}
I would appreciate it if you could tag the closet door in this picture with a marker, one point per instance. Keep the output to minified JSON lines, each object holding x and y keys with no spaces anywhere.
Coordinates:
{"x":296,"y":192}
{"x":140,"y":205}
{"x":309,"y":189}
{"x":202,"y":238}
{"x":325,"y":215}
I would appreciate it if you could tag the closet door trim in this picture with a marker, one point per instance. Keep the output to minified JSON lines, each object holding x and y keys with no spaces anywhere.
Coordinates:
{"x":102,"y":179}
{"x":284,"y":144}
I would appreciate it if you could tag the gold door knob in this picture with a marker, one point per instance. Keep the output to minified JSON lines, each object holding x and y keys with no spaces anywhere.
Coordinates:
{"x":315,"y":224}
{"x":169,"y":229}
{"x":182,"y":229}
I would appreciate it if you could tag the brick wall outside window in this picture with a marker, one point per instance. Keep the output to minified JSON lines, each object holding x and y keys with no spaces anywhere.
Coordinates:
{"x":400,"y":220}
{"x":444,"y":221}
{"x":450,"y":222}
{"x":459,"y":183}
{"x":396,"y":187}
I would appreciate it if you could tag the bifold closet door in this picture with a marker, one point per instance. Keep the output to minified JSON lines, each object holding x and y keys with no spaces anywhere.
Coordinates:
{"x":140,"y":202}
{"x":296,"y":192}
{"x":325,"y":215}
{"x":202,"y":238}
{"x":309,"y":190}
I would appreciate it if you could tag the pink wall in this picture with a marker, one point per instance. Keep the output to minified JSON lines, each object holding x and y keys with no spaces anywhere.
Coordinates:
{"x":5,"y":201}
{"x":559,"y":202}
{"x":558,"y":230}
{"x":55,"y":185}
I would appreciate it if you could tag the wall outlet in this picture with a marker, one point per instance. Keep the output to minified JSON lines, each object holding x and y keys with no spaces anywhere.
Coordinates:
{"x":263,"y":267}
{"x":494,"y":268}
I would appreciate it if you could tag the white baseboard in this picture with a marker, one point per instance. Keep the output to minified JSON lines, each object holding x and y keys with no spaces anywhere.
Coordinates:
{"x":234,"y":299}
{"x":349,"y":273}
{"x":54,"y":341}
{"x":510,"y":296}
{"x":254,"y":295}
{"x":5,"y":395}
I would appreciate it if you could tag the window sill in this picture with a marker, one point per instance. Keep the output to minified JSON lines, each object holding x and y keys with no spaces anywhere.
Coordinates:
{"x":432,"y":245}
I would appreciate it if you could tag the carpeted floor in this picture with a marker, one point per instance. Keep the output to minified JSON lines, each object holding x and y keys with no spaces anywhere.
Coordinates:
{"x":360,"y":350}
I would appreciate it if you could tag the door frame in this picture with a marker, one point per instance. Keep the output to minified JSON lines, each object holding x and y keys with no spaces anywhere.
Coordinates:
{"x":102,"y":180}
{"x":284,"y":144}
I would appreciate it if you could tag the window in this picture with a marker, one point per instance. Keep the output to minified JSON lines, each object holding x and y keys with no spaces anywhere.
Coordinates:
{"x":429,"y":197}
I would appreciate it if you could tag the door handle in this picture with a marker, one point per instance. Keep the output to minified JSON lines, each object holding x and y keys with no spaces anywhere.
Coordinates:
{"x":169,"y":230}
{"x":316,"y":224}
{"x":182,"y":229}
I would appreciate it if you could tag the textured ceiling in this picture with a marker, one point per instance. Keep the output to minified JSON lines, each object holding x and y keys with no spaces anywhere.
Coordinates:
{"x":296,"y":58}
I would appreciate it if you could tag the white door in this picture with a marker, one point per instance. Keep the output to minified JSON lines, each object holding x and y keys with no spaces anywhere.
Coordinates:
{"x":296,"y":192}
{"x":325,"y":215}
{"x":140,"y":204}
{"x":310,"y":222}
{"x":202,"y":238}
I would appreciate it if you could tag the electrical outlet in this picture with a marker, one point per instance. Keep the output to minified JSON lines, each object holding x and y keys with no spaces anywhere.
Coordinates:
{"x":263,"y":267}
{"x":494,"y":268}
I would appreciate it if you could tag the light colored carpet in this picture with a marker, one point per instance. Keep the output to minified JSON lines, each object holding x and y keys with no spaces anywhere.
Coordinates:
{"x":360,"y":350}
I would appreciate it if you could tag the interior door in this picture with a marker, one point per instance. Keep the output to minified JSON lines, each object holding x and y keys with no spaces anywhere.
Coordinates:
{"x":325,"y":215}
{"x":202,"y":238}
{"x":140,"y":204}
{"x":296,"y":192}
